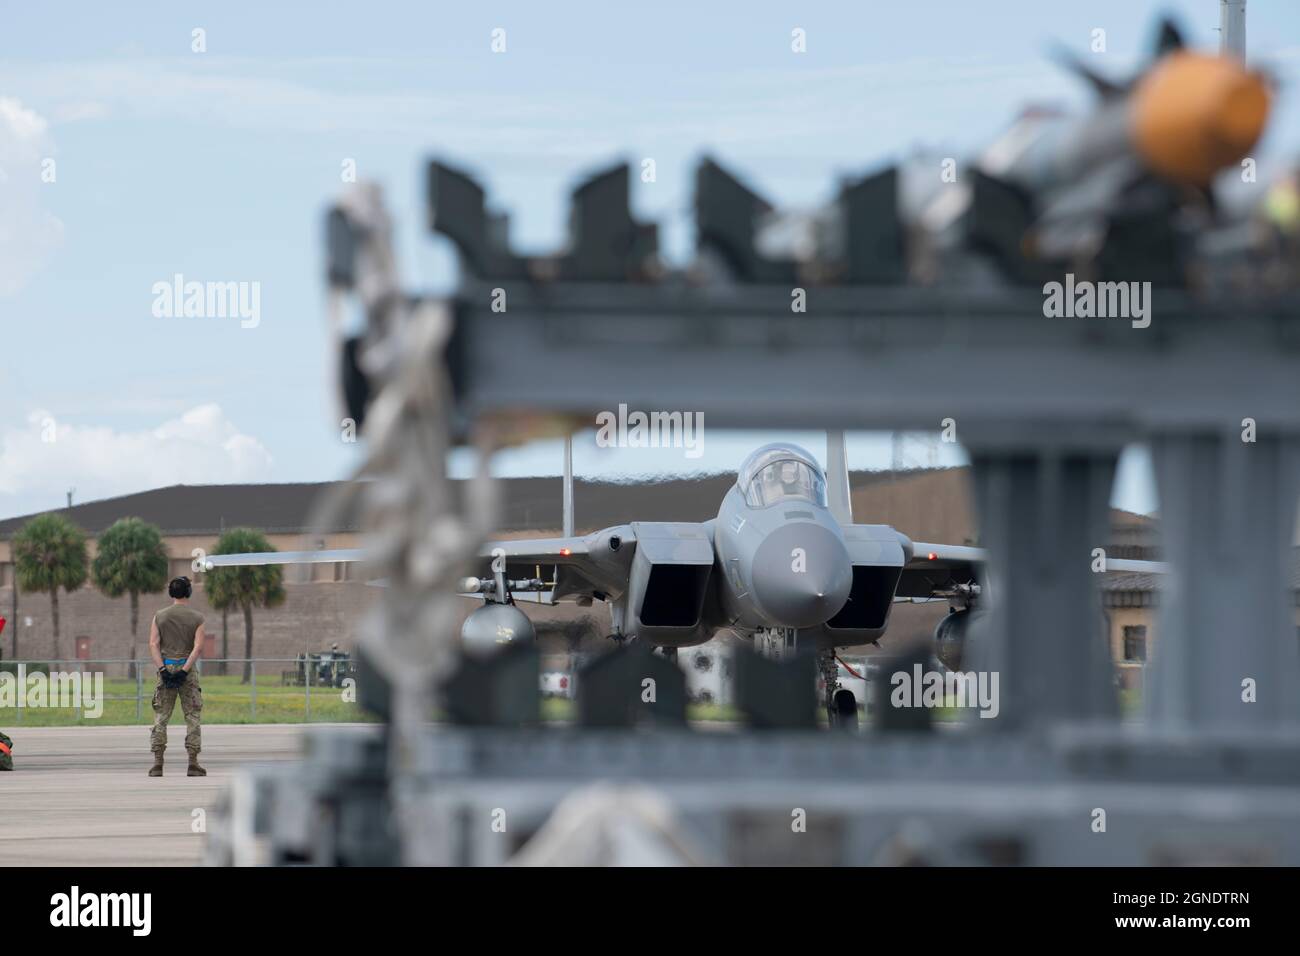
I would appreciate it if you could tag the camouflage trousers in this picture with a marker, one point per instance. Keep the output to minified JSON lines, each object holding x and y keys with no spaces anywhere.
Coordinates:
{"x":164,"y":702}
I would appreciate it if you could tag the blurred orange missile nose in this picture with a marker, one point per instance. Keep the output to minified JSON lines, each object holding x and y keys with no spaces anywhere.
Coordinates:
{"x":1194,"y":114}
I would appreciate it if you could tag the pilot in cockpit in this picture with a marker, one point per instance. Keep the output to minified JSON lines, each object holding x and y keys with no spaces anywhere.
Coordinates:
{"x":786,"y":475}
{"x":785,"y":480}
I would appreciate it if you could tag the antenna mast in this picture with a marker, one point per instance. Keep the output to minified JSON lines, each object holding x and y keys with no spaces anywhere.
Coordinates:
{"x":1232,"y":28}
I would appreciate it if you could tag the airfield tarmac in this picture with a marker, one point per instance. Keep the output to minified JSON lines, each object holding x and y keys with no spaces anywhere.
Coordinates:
{"x":81,"y":796}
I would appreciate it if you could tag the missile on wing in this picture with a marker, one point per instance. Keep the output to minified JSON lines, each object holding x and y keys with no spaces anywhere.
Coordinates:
{"x":1114,"y":194}
{"x":1122,"y":192}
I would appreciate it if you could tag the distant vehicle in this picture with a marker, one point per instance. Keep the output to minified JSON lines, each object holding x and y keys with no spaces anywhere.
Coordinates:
{"x":327,"y":669}
{"x":557,"y":684}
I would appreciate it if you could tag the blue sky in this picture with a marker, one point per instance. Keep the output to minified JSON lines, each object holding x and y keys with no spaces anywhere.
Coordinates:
{"x":217,"y":165}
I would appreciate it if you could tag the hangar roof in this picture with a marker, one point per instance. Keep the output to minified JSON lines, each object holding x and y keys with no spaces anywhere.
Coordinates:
{"x":929,"y":504}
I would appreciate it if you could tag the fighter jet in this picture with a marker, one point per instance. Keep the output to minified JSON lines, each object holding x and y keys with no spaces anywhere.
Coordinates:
{"x":783,"y":563}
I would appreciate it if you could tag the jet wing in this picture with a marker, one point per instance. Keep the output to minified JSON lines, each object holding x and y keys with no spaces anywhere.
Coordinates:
{"x":937,"y":569}
{"x":255,"y":558}
{"x":577,"y":568}
{"x":547,"y":551}
{"x":567,"y":563}
{"x":538,"y":550}
{"x":282,"y":557}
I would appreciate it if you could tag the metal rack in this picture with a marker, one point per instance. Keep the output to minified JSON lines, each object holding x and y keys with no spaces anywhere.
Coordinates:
{"x":1043,"y":405}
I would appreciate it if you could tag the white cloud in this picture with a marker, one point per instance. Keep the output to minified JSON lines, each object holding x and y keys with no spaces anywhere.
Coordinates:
{"x":202,"y":446}
{"x":28,"y":232}
{"x":735,"y":108}
{"x":77,"y":111}
{"x":246,"y":93}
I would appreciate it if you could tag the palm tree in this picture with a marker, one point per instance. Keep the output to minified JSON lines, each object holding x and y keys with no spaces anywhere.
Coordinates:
{"x":245,"y":587}
{"x":50,"y":553}
{"x":132,"y":560}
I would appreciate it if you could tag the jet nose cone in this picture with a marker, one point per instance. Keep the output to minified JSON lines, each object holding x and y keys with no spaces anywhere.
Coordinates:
{"x":801,"y":575}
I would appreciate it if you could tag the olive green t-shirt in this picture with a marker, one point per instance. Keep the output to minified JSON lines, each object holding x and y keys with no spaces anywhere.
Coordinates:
{"x":177,"y":626}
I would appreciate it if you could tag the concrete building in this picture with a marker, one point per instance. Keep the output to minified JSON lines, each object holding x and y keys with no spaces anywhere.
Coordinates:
{"x":323,"y":602}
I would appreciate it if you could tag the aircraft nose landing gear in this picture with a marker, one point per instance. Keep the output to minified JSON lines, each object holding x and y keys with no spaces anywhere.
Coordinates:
{"x":844,"y":710}
{"x":841,"y":705}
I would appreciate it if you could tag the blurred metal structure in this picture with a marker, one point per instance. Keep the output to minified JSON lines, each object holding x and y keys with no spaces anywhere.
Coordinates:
{"x":1044,"y":441}
{"x":1043,"y":404}
{"x":884,"y":799}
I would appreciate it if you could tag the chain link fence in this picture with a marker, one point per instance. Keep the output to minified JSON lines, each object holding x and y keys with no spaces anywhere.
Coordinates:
{"x":315,"y":687}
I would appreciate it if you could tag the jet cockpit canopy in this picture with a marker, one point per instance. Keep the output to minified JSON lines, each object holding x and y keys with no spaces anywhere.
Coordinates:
{"x":781,"y":472}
